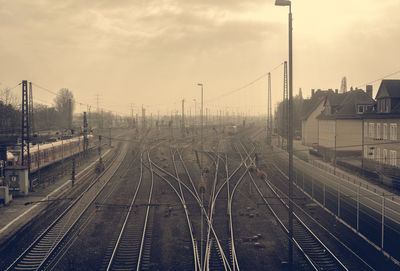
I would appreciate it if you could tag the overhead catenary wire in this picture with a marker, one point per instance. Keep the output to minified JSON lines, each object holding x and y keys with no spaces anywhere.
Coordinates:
{"x":381,"y":78}
{"x":76,"y":101}
{"x":245,"y":85}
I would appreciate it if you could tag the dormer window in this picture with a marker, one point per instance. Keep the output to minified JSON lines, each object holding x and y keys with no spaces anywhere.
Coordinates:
{"x":360,"y":109}
{"x":387,"y":105}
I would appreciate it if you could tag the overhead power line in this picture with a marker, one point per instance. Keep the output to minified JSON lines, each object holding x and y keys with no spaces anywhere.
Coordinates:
{"x":244,"y":86}
{"x":78,"y":102}
{"x":379,"y":79}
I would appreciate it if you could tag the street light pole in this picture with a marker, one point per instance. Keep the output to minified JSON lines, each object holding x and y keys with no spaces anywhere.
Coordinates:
{"x":195,"y":112}
{"x":291,"y":130}
{"x":201,"y":128}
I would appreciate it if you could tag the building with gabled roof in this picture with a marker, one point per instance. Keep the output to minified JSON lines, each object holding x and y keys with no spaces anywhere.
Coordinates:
{"x":340,"y":123}
{"x":312,"y":107}
{"x":381,"y":146}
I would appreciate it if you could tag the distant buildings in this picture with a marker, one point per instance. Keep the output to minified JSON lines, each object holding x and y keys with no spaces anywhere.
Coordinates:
{"x":355,"y":126}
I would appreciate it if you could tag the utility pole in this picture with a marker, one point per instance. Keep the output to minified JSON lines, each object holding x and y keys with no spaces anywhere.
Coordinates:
{"x":132,"y":119}
{"x":206,"y":117}
{"x":25,"y":132}
{"x":99,"y":149}
{"x":285,"y":108}
{"x":183,"y":118}
{"x":143,"y":119}
{"x":85,"y":131}
{"x":137,"y":122}
{"x":201,"y":128}
{"x":31,"y":119}
{"x":69,"y":114}
{"x":151,"y":120}
{"x":290,"y":138}
{"x":109,"y":135}
{"x":98,"y":112}
{"x":269,"y":112}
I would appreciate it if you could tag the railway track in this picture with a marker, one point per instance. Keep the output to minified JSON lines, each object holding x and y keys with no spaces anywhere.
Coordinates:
{"x":132,"y":248}
{"x":179,"y":187}
{"x":214,"y":256}
{"x":315,"y":252}
{"x":40,"y":251}
{"x":228,"y":184}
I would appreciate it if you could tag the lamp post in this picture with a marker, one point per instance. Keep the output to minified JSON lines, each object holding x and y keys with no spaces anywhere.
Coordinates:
{"x":290,"y":136}
{"x":201,"y":128}
{"x":201,"y":169}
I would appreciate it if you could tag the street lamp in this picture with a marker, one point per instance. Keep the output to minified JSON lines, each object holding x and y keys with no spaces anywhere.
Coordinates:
{"x":201,"y":168}
{"x":195,"y":112}
{"x":290,"y":136}
{"x":201,"y":123}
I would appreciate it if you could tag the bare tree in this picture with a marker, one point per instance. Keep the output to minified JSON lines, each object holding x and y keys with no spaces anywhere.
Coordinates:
{"x":8,"y":97}
{"x":65,"y":105}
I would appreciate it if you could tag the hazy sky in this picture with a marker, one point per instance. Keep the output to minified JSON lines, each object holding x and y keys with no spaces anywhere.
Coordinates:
{"x":155,"y":52}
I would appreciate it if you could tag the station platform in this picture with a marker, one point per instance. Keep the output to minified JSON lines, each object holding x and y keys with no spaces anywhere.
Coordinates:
{"x":22,"y":209}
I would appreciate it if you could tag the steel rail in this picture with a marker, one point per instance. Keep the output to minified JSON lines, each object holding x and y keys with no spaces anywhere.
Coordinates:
{"x":127,"y":216}
{"x":183,"y":201}
{"x":325,"y":229}
{"x":209,"y":222}
{"x":38,"y":259}
{"x":315,"y":263}
{"x":226,"y":182}
{"x":194,"y":196}
{"x":147,"y":214}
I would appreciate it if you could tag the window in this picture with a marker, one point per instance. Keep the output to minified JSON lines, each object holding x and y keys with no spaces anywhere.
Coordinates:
{"x":372,"y":130}
{"x":393,"y":158}
{"x":384,"y":158}
{"x":393,"y":131}
{"x":387,"y":105}
{"x":378,"y":155}
{"x":385,"y":131}
{"x":378,"y":130}
{"x":371,"y":152}
{"x":360,"y":109}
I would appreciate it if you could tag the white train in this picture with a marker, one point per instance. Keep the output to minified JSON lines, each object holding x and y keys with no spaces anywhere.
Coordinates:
{"x":43,"y":155}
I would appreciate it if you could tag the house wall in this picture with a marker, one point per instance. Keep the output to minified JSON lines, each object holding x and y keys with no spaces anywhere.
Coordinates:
{"x":349,"y":135}
{"x":375,"y":145}
{"x":348,"y":138}
{"x":326,"y":131}
{"x":309,"y":127}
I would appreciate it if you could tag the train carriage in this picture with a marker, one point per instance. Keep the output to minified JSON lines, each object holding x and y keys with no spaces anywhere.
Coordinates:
{"x":49,"y":153}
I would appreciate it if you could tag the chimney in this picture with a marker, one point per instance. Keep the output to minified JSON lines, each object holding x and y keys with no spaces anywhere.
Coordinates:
{"x":312,"y":92}
{"x":368,"y":90}
{"x":336,"y":91}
